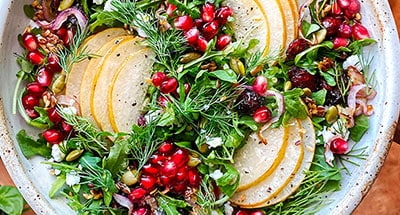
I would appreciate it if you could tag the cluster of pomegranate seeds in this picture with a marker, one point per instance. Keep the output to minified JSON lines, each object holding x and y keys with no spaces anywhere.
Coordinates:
{"x":198,"y":32}
{"x":168,"y":169}
{"x":166,"y":84}
{"x":249,"y":212}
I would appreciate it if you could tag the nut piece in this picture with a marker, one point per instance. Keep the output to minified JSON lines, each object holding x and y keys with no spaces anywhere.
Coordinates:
{"x":130,"y":177}
{"x":331,"y":114}
{"x":74,"y":154}
{"x":237,"y":66}
{"x":189,"y":57}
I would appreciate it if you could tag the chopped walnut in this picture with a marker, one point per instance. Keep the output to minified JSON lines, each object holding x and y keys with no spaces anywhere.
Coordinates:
{"x":211,"y":66}
{"x":314,"y":109}
{"x":326,"y":64}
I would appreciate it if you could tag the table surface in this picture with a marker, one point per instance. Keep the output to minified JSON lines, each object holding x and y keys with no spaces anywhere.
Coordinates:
{"x":383,"y":198}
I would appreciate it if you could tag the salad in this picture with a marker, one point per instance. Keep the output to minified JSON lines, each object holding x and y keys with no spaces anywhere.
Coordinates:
{"x":195,"y":107}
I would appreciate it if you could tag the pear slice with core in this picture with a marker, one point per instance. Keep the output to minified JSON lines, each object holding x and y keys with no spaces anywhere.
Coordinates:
{"x":274,"y":183}
{"x":308,"y":133}
{"x":91,"y":45}
{"x":90,"y":73}
{"x":103,"y":79}
{"x":256,"y":160}
{"x":128,"y":90}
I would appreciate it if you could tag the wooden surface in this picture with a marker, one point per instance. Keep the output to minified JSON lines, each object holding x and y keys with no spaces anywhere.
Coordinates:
{"x":384,"y":196}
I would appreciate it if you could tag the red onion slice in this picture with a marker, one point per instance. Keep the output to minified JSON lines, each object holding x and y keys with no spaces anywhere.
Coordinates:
{"x":352,"y":96}
{"x":62,"y":17}
{"x":124,"y":202}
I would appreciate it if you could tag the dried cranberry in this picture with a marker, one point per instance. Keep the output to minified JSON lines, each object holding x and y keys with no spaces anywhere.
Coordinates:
{"x":295,"y":47}
{"x":248,"y":102}
{"x":302,"y":79}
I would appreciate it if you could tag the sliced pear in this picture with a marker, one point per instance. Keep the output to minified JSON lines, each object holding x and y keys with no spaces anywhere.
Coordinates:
{"x":128,"y":90}
{"x":308,"y":133}
{"x":90,"y":73}
{"x":92,"y":44}
{"x":277,"y":25}
{"x":250,"y":23}
{"x":103,"y":79}
{"x":256,"y":160}
{"x":274,"y":183}
{"x":290,"y":12}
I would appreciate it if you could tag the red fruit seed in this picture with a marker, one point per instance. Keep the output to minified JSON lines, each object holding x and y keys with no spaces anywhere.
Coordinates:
{"x":192,"y":35}
{"x":194,"y":177}
{"x":201,"y":44}
{"x":149,"y":169}
{"x":340,"y":42}
{"x":44,"y":77}
{"x":35,"y":89}
{"x":169,"y":85}
{"x":148,"y":182}
{"x":158,"y":78}
{"x":35,"y":57}
{"x":53,"y":63}
{"x":137,"y":194}
{"x":223,"y":14}
{"x":262,"y":115}
{"x":360,"y":32}
{"x":339,"y":146}
{"x":210,"y":30}
{"x":52,"y":136}
{"x":208,"y":12}
{"x":30,"y":42}
{"x":260,"y":85}
{"x":223,"y":41}
{"x":166,"y":148}
{"x":183,"y":23}
{"x":29,"y":101}
{"x":53,"y":115}
{"x":180,"y":157}
{"x":169,"y":168}
{"x":170,"y":9}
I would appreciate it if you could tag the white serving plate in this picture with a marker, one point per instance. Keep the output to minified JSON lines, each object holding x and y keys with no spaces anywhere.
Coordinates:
{"x":34,"y":181}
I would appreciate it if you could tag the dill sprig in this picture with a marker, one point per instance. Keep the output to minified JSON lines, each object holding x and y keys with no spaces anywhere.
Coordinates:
{"x":167,"y":45}
{"x":87,"y":135}
{"x":75,"y":53}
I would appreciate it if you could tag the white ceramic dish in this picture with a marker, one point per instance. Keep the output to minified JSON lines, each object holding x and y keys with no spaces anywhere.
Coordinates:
{"x":33,"y":179}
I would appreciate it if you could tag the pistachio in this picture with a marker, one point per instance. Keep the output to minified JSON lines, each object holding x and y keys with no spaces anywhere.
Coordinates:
{"x":130,"y":177}
{"x":74,"y":154}
{"x":59,"y":84}
{"x":203,"y":148}
{"x":307,"y":92}
{"x":237,"y":66}
{"x":64,"y":4}
{"x":194,"y":160}
{"x":287,"y":86}
{"x":189,"y":57}
{"x":331,"y":114}
{"x":320,"y":36}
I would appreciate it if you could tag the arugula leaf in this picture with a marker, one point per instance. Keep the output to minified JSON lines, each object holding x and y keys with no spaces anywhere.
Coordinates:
{"x":319,"y":96}
{"x":227,"y":75}
{"x":360,"y":127}
{"x":11,"y":201}
{"x":293,"y":103}
{"x":57,"y":185}
{"x":170,"y":205}
{"x":117,"y":158}
{"x":31,"y":147}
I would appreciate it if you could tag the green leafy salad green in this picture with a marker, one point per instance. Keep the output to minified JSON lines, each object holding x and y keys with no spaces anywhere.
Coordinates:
{"x":207,"y":93}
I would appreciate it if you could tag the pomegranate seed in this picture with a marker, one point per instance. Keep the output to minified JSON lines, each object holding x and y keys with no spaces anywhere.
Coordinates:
{"x":137,"y":194}
{"x":192,"y":35}
{"x":166,"y":148}
{"x":194,"y":177}
{"x":339,"y":42}
{"x":295,"y":47}
{"x":35,"y":57}
{"x":187,"y":88}
{"x":257,"y":212}
{"x":180,"y":157}
{"x":339,"y":146}
{"x":210,"y":29}
{"x":44,"y":77}
{"x":353,"y":8}
{"x":53,"y":115}
{"x":180,"y":187}
{"x":169,"y":168}
{"x":262,"y":115}
{"x":202,"y":44}
{"x":158,"y":78}
{"x":331,"y":25}
{"x":32,"y":113}
{"x":150,"y":170}
{"x":162,"y":101}
{"x":183,"y":23}
{"x":157,"y":159}
{"x":336,"y":10}
{"x":182,"y":174}
{"x":35,"y":89}
{"x":52,"y":63}
{"x":148,"y":182}
{"x":166,"y":181}
{"x":345,"y":31}
{"x":360,"y":32}
{"x":66,"y":127}
{"x":170,"y":9}
{"x":223,"y":41}
{"x":343,"y":3}
{"x":65,"y":35}
{"x":223,"y":14}
{"x":169,"y":85}
{"x":52,"y":136}
{"x":198,"y":23}
{"x":208,"y":12}
{"x":260,"y":85}
{"x":242,"y":212}
{"x":30,"y":42}
{"x":29,"y":101}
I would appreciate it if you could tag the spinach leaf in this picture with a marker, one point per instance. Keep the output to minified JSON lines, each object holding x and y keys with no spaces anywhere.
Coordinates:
{"x":31,"y":147}
{"x":11,"y":201}
{"x":319,"y":97}
{"x":360,"y":127}
{"x":57,"y":185}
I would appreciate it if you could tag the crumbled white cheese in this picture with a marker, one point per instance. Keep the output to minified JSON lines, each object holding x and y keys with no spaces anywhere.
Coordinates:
{"x":98,"y":2}
{"x":353,"y":60}
{"x":72,"y":178}
{"x":228,"y":208}
{"x":57,"y":172}
{"x":150,"y":116}
{"x":56,"y":153}
{"x":217,"y":174}
{"x":337,"y":128}
{"x":214,"y":142}
{"x":214,"y":212}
